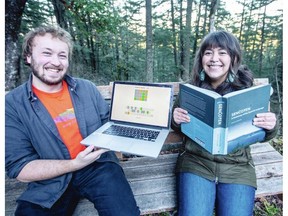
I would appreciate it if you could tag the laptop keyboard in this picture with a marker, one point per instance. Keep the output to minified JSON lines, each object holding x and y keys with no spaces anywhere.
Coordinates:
{"x":137,"y":133}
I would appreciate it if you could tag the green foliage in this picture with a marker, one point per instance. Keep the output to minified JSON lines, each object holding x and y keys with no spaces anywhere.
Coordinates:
{"x":271,"y":209}
{"x":35,"y":14}
{"x":277,"y":143}
{"x":110,"y":38}
{"x":100,"y":13}
{"x":268,"y":206}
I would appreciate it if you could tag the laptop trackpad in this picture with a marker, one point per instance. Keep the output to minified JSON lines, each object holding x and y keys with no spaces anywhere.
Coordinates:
{"x":120,"y":144}
{"x":110,"y":142}
{"x":97,"y":140}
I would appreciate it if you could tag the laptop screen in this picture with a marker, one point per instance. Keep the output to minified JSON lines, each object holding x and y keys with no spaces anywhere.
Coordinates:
{"x":142,"y":103}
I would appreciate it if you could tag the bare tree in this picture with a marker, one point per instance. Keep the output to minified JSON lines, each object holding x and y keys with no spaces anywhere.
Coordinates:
{"x":186,"y":41}
{"x":205,"y":17}
{"x":197,"y":31}
{"x":214,"y":7}
{"x":263,"y":32}
{"x":59,"y":11}
{"x":174,"y":35}
{"x":181,"y":40}
{"x":13,"y":16}
{"x":149,"y":42}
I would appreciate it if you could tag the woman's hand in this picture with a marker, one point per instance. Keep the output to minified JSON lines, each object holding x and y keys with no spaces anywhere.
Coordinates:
{"x":180,"y":115}
{"x":265,"y":120}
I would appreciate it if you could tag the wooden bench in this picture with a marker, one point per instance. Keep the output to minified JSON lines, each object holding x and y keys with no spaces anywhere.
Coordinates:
{"x":153,"y":180}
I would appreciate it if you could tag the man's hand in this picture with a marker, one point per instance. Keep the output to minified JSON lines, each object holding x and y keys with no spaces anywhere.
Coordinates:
{"x":38,"y":170}
{"x":88,"y":156}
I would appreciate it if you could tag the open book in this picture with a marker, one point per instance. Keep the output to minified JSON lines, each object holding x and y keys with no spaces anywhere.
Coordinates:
{"x":222,"y":124}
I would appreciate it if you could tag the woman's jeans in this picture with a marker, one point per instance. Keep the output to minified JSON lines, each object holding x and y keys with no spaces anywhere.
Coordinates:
{"x":104,"y":184}
{"x":198,"y":196}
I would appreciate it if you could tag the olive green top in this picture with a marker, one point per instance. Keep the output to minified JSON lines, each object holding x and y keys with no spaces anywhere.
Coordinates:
{"x":236,"y":167}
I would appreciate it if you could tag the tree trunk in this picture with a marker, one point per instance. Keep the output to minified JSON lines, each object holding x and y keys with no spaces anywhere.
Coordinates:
{"x":174,"y":36}
{"x":181,"y":42}
{"x":262,"y":41}
{"x":149,"y":42}
{"x":59,"y":12}
{"x":214,"y":7}
{"x":205,"y":18}
{"x":244,"y":41}
{"x":13,"y":16}
{"x":197,"y":30}
{"x":187,"y":38}
{"x":94,"y":48}
{"x":242,"y":21}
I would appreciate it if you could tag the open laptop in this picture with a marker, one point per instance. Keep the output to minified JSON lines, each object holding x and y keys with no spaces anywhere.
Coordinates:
{"x":134,"y":105}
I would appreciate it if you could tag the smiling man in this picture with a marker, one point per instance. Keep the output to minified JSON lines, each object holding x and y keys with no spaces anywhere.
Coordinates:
{"x":48,"y":61}
{"x":45,"y":120}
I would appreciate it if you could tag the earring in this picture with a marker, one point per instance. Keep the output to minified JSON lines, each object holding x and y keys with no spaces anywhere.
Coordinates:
{"x":202,"y":75}
{"x":231,"y":77}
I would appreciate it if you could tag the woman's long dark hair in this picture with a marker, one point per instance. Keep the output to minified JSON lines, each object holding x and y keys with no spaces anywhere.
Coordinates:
{"x":243,"y":77}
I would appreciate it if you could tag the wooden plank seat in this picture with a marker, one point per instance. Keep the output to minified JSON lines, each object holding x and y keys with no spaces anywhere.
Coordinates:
{"x":153,"y":181}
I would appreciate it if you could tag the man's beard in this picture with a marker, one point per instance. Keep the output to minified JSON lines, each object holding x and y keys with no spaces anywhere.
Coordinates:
{"x":42,"y":77}
{"x":45,"y":80}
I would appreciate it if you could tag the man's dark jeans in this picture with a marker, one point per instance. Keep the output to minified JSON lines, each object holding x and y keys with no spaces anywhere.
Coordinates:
{"x":104,"y":184}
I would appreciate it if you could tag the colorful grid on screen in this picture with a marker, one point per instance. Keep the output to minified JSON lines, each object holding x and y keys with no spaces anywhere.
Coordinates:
{"x":141,"y":95}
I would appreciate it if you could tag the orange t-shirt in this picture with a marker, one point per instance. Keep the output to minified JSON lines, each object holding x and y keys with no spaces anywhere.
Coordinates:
{"x":61,"y":109}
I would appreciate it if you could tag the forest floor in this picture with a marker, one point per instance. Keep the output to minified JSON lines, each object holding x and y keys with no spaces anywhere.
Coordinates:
{"x":269,"y":206}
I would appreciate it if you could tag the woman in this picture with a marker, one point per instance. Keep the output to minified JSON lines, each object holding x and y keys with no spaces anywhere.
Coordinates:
{"x":226,"y":182}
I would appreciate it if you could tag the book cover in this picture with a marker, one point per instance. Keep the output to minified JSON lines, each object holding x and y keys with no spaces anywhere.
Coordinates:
{"x":221,"y":124}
